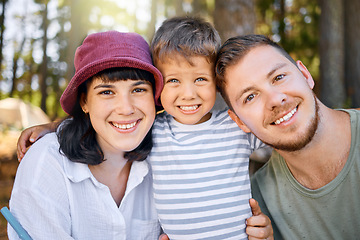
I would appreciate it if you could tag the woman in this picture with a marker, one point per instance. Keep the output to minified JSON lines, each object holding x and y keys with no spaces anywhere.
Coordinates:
{"x":89,"y":180}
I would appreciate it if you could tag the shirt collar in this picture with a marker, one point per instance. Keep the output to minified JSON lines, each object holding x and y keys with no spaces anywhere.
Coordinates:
{"x":78,"y":172}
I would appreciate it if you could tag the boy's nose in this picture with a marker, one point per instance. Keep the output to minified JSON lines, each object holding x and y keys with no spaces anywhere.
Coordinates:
{"x":188,"y":91}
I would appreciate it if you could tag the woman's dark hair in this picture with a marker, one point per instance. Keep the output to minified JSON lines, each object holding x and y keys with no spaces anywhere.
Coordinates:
{"x":77,"y":137}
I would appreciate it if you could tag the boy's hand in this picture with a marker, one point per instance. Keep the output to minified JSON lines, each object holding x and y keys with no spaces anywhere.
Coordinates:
{"x":259,"y":225}
{"x":164,"y":237}
{"x":31,"y":135}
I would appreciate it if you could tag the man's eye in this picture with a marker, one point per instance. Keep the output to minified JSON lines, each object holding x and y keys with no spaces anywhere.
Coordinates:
{"x":249,"y":98}
{"x":279,"y":77}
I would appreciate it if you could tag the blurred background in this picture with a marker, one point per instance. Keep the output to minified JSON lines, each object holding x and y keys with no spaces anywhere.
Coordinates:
{"x":38,"y":39}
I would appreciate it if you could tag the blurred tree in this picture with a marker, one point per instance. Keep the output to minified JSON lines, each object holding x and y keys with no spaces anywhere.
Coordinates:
{"x":44,"y":65}
{"x":295,"y":26}
{"x":29,"y":72}
{"x":17,"y":54}
{"x":2,"y":29}
{"x":179,"y":10}
{"x":234,"y":17}
{"x":352,"y":51}
{"x":332,"y":85}
{"x":151,"y":26}
{"x":200,"y":8}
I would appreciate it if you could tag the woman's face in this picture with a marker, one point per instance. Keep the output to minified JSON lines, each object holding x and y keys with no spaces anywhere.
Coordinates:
{"x":121,"y":112}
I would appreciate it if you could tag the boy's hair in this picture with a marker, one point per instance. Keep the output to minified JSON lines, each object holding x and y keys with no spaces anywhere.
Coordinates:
{"x":77,"y":136}
{"x":233,"y":50}
{"x":187,"y":36}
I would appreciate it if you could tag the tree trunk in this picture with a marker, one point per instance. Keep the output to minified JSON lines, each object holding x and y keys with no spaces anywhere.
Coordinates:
{"x":179,"y":11}
{"x":234,"y":17}
{"x":332,"y":85}
{"x":77,"y":33}
{"x":17,"y":55}
{"x":44,"y":67}
{"x":2,"y":29}
{"x":352,"y":50}
{"x":199,"y":8}
{"x":151,"y":26}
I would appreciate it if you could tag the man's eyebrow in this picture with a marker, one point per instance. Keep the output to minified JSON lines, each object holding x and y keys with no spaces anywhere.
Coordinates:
{"x":275,"y":68}
{"x":244,"y":91}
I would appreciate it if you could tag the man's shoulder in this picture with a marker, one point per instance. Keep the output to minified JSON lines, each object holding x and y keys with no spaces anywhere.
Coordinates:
{"x":270,"y":171}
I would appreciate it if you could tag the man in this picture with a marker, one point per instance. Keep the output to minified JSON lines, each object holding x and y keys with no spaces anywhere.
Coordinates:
{"x":310,"y":187}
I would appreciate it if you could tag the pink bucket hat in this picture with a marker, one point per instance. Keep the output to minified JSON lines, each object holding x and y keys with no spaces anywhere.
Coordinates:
{"x":104,"y":50}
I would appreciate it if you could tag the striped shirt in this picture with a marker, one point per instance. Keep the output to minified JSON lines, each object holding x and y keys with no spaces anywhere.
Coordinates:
{"x":201,"y":179}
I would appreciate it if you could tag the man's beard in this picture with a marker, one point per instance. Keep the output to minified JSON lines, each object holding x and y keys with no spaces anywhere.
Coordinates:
{"x":303,"y":139}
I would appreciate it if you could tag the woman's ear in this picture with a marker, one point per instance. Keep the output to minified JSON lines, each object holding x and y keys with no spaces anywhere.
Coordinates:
{"x":240,"y":123}
{"x":83,"y":103}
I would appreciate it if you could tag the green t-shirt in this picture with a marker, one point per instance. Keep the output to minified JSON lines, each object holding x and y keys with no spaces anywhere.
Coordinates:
{"x":330,"y":212}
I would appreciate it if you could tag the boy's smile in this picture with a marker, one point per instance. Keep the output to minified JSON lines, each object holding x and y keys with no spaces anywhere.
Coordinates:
{"x":189,"y":88}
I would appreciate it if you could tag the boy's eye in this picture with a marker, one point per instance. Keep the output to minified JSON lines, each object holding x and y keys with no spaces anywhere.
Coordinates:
{"x":249,"y":98}
{"x":200,"y":79}
{"x":172,"y":80}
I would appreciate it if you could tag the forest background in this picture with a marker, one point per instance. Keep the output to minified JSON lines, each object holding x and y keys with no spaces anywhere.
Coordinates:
{"x":38,"y":39}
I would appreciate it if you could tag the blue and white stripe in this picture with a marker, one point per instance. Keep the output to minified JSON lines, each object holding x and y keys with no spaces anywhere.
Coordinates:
{"x":201,"y":179}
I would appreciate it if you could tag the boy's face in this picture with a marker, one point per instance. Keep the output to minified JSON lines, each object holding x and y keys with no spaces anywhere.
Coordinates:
{"x":189,"y":89}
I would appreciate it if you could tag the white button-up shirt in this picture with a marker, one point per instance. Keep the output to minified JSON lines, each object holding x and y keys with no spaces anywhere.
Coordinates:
{"x":54,"y":198}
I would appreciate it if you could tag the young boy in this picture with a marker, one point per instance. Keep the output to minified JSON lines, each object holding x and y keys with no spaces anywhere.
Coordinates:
{"x":200,"y":157}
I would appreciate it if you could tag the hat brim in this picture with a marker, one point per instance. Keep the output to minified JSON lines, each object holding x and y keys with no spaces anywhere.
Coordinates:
{"x":69,"y":96}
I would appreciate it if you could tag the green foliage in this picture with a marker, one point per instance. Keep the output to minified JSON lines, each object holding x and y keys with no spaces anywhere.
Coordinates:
{"x":300,"y":36}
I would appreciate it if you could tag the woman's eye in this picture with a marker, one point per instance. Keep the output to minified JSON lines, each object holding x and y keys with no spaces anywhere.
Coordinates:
{"x":106,"y":92}
{"x":249,"y":98}
{"x":138,"y":90}
{"x":279,"y":77}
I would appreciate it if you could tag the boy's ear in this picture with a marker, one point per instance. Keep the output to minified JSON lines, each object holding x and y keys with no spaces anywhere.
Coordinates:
{"x":236,"y":119}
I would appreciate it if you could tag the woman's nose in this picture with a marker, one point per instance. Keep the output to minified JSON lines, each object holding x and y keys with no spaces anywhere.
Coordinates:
{"x":124,"y":105}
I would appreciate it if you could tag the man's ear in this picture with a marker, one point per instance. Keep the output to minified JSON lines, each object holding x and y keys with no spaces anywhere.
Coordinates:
{"x":306,"y":74}
{"x":236,"y":119}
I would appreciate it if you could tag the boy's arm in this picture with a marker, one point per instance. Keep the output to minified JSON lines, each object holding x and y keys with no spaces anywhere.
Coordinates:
{"x":259,"y":225}
{"x":31,"y":135}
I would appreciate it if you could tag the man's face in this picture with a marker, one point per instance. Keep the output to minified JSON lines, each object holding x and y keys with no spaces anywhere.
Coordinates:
{"x":273,"y":98}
